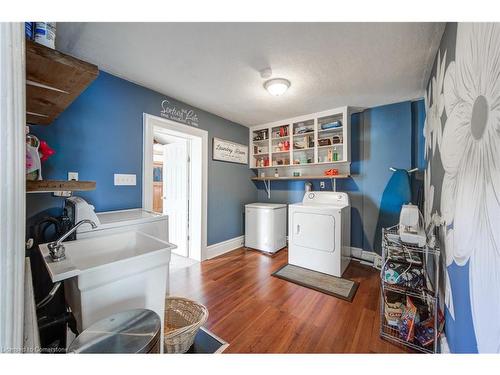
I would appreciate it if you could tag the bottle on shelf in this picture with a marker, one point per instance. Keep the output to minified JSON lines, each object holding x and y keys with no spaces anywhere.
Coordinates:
{"x":329,"y":156}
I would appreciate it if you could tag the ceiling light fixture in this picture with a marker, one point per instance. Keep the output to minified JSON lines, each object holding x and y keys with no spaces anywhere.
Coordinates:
{"x":277,"y":86}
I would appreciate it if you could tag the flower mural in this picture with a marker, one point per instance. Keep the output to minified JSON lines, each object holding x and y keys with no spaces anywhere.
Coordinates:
{"x":427,"y":127}
{"x":428,"y":195}
{"x":470,"y":155}
{"x":432,"y":127}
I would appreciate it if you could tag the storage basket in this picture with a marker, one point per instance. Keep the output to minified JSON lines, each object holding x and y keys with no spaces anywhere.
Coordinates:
{"x":183,"y":319}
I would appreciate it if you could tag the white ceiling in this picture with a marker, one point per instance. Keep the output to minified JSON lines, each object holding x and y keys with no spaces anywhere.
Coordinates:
{"x":215,"y":66}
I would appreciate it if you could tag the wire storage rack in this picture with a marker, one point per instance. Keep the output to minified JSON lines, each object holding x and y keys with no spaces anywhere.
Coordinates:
{"x":409,"y":308}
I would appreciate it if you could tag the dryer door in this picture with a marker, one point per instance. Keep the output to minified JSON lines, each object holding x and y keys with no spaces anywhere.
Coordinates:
{"x":314,"y":230}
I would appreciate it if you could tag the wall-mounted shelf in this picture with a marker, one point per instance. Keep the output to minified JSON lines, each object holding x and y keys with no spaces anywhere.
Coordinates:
{"x":267,"y":180}
{"x":300,"y":178}
{"x":53,"y":81}
{"x":301,"y":165}
{"x":338,"y":128}
{"x":50,"y":186}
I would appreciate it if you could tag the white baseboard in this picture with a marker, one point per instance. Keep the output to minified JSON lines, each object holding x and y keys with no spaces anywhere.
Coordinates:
{"x":367,"y":256}
{"x":225,"y":246}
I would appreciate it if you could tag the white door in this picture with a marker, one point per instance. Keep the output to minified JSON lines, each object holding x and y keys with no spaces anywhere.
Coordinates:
{"x":314,"y":230}
{"x":176,"y":193}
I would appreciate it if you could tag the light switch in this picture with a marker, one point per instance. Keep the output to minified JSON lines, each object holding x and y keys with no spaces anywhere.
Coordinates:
{"x":72,"y":176}
{"x":125,"y":179}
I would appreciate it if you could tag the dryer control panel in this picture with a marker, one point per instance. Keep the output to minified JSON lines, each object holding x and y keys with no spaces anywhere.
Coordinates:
{"x":326,"y":197}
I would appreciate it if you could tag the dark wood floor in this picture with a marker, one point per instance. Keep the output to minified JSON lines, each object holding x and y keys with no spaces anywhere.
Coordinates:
{"x":258,"y":313}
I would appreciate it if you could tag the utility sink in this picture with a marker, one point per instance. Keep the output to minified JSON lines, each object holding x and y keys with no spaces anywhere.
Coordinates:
{"x":106,"y":253}
{"x":111,"y":273}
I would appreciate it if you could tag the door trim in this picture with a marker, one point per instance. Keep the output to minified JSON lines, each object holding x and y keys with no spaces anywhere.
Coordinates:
{"x":198,"y":200}
{"x":12,"y":186}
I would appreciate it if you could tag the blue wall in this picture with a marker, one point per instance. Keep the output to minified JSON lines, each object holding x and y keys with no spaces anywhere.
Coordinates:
{"x":418,"y":140}
{"x":101,"y":134}
{"x":381,"y":137}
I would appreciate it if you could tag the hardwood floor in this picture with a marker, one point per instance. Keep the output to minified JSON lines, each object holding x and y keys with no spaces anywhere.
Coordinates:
{"x":258,"y":313}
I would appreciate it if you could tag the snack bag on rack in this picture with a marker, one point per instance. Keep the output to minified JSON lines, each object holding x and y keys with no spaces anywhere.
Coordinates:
{"x":407,"y":322}
{"x":424,"y":332}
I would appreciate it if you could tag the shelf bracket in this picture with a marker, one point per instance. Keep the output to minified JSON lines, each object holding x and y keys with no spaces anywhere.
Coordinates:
{"x":334,"y":183}
{"x":267,"y":185}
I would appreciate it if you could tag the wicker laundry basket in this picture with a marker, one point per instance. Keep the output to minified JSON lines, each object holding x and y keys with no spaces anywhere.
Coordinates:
{"x":183,"y":319}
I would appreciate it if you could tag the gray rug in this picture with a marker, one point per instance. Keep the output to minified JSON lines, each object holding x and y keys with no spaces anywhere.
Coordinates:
{"x":335,"y":286}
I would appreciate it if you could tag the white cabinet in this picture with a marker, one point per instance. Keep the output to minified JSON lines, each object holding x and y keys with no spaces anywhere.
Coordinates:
{"x":265,"y":226}
{"x":314,"y":139}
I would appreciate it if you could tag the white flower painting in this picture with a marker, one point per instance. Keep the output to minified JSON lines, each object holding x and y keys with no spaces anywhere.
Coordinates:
{"x":427,"y":127}
{"x":432,"y":126}
{"x":428,"y":195}
{"x":470,"y":155}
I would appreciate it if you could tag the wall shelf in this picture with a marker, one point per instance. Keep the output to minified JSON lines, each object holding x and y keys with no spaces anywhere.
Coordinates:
{"x":338,"y":128}
{"x":284,"y":178}
{"x":50,"y":186}
{"x":332,"y":145}
{"x":301,"y":165}
{"x":267,"y":180}
{"x":53,"y":81}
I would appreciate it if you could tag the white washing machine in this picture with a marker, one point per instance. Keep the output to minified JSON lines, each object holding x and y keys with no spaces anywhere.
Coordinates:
{"x":319,"y":232}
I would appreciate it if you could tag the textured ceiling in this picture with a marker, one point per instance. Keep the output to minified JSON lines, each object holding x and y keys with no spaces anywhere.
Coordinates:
{"x":215,"y":66}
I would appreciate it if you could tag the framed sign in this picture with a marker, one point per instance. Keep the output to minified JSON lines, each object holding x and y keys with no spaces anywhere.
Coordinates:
{"x":229,"y":151}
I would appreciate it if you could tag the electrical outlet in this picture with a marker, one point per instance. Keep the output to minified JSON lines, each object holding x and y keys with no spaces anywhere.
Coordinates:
{"x":322,"y":184}
{"x":125,"y":179}
{"x":72,"y":176}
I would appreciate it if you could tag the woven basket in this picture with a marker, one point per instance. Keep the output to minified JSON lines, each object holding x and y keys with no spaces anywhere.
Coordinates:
{"x":183,"y":319}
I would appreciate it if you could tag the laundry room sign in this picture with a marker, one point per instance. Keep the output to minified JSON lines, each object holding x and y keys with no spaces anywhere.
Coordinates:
{"x":172,"y":112}
{"x":229,"y":151}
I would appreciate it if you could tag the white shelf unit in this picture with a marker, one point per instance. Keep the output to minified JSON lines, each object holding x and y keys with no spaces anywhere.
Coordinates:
{"x":303,"y":141}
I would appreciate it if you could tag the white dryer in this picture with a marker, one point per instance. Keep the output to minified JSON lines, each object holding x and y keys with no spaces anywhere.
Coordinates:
{"x":319,"y":232}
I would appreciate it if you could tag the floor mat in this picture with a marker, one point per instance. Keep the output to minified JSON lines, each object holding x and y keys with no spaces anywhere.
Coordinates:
{"x":335,"y":286}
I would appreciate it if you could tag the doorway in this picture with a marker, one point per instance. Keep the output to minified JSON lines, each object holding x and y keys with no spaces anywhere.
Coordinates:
{"x":171,"y":163}
{"x":175,"y":182}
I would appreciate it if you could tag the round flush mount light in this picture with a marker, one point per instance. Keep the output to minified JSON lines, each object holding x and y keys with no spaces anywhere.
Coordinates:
{"x":277,"y":86}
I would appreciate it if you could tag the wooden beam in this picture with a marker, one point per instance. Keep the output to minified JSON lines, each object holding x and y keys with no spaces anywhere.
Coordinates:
{"x":47,"y":186}
{"x":53,"y":81}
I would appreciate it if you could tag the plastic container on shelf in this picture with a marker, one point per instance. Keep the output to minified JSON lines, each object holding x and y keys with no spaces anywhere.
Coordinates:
{"x":28,"y":30}
{"x":45,"y":33}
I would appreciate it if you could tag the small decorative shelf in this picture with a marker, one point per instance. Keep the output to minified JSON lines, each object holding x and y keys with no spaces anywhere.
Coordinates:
{"x":50,"y":186}
{"x":53,"y":81}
